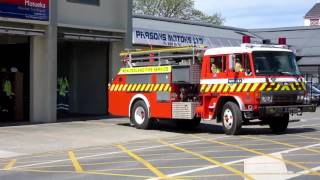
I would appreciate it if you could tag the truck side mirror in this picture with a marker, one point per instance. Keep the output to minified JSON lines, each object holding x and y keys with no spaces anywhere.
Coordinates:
{"x":232,"y":61}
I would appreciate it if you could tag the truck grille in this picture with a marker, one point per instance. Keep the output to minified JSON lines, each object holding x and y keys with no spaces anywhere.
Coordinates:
{"x":285,"y":98}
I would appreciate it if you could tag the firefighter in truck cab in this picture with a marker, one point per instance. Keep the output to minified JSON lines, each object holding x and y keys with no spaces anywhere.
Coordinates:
{"x":235,"y":86}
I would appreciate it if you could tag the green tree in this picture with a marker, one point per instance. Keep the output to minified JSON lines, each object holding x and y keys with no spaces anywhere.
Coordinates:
{"x":178,"y":9}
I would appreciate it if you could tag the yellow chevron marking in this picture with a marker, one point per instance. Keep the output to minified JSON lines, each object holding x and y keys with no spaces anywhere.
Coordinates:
{"x":303,"y":86}
{"x":233,"y":87}
{"x":293,"y":87}
{"x":263,"y":87}
{"x":208,"y":88}
{"x":220,"y":87}
{"x":129,"y":88}
{"x":116,"y":88}
{"x":298,"y":85}
{"x":143,"y":87}
{"x":125,"y":87}
{"x":170,"y":89}
{"x":167,"y":87}
{"x":271,"y":86}
{"x":285,"y":88}
{"x":278,"y":86}
{"x":214,"y":88}
{"x":240,"y":87}
{"x":227,"y":87}
{"x":247,"y":87}
{"x":120,"y":87}
{"x":254,"y":87}
{"x":156,"y":87}
{"x":134,"y":87}
{"x":161,"y":87}
{"x":151,"y":87}
{"x":138,"y":87}
{"x":148,"y":87}
{"x":112,"y":87}
{"x":203,"y":86}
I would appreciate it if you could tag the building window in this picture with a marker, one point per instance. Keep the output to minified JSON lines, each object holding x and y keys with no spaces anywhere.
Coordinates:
{"x":89,"y":2}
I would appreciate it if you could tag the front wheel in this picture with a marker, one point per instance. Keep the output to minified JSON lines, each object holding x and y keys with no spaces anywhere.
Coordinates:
{"x":140,"y":116}
{"x":231,"y":118}
{"x":279,"y":125}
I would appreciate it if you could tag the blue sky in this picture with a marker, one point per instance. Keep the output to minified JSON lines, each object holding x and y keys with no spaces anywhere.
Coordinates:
{"x":258,"y":13}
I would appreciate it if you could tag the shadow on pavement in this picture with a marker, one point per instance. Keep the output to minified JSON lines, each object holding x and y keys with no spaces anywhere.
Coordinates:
{"x":168,"y":126}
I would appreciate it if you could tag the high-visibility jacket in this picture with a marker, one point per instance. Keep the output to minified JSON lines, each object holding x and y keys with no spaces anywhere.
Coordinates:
{"x":7,"y":88}
{"x":63,"y":87}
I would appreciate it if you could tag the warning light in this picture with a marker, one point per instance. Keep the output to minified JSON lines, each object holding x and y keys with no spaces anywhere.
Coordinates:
{"x":283,"y":41}
{"x":246,"y":39}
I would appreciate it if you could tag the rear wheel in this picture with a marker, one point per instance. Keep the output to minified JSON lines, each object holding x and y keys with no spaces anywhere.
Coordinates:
{"x":231,"y":118}
{"x":279,"y":125}
{"x":140,"y":116}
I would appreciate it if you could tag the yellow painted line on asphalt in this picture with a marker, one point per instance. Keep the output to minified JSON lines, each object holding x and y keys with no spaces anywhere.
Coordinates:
{"x":147,"y":164}
{"x":306,"y":137}
{"x":211,"y":160}
{"x":76,"y":164}
{"x":85,"y":172}
{"x":280,"y":143}
{"x":10,"y":165}
{"x":292,"y":163}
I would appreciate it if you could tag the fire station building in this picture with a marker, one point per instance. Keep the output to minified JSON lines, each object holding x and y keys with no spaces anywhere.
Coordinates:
{"x":43,"y":41}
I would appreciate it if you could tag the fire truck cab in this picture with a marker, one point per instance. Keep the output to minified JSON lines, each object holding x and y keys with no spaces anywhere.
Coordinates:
{"x":245,"y":85}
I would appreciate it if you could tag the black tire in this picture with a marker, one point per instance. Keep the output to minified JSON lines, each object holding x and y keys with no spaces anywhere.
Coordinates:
{"x":231,"y":118}
{"x":139,"y":116}
{"x":188,"y":124}
{"x":279,"y":125}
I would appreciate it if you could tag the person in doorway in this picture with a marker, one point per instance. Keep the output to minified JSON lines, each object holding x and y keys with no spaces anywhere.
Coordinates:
{"x":7,"y":98}
{"x":63,"y":106}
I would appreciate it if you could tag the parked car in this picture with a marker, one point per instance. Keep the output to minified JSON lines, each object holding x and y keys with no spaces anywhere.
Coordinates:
{"x":314,"y":94}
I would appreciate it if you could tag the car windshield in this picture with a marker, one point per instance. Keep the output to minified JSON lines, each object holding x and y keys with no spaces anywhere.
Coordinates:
{"x":275,"y":63}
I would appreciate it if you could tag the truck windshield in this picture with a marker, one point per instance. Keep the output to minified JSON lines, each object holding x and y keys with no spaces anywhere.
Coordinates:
{"x":275,"y":63}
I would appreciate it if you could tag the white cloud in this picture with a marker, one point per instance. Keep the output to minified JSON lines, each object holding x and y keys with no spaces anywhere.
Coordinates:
{"x":254,"y":13}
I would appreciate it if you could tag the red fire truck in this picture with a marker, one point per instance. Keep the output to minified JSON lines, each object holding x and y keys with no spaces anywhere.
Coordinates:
{"x":245,"y":85}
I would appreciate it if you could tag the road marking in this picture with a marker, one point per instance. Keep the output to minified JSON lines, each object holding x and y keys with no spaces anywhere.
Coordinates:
{"x":147,"y":164}
{"x":307,"y":137}
{"x":9,"y":166}
{"x":234,"y":162}
{"x":110,"y":153}
{"x":85,"y":172}
{"x":218,"y":163}
{"x":77,"y":166}
{"x":280,"y":143}
{"x":261,"y":167}
{"x":292,"y":163}
{"x":304,"y":172}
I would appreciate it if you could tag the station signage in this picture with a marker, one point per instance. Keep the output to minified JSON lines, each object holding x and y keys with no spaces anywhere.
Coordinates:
{"x":159,"y":38}
{"x":25,"y":9}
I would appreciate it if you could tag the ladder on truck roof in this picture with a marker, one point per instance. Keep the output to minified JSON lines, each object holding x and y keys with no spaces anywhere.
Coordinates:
{"x":175,"y":56}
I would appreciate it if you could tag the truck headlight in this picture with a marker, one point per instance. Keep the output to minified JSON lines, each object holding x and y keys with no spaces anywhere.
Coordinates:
{"x":307,"y":100}
{"x":266,"y":99}
{"x":300,"y":98}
